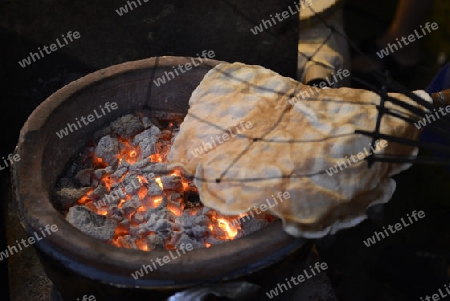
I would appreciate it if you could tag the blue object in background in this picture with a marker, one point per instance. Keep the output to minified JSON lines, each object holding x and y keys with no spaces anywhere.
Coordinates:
{"x":440,"y":82}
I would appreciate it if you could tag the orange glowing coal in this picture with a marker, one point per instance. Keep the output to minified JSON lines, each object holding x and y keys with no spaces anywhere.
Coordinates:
{"x":230,"y":231}
{"x":220,"y":227}
{"x":160,"y":184}
{"x":141,"y":244}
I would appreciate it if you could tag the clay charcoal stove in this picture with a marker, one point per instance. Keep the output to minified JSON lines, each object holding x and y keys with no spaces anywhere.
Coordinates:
{"x":119,"y":190}
{"x":106,"y":162}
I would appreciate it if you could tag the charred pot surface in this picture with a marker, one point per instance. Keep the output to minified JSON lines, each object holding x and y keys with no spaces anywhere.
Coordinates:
{"x":46,"y":156}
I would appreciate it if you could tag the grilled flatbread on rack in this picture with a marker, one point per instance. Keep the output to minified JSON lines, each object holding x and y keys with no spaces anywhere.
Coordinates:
{"x":257,"y":164}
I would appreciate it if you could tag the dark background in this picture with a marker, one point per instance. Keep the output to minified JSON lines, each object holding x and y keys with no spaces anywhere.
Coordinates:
{"x":167,"y":28}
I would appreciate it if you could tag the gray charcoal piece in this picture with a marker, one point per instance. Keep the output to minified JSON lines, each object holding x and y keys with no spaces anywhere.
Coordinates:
{"x":124,"y":163}
{"x":154,"y":189}
{"x":109,"y":169}
{"x":176,"y":235}
{"x":114,"y":164}
{"x":67,"y":197}
{"x":156,"y":168}
{"x":174,"y":196}
{"x":164,"y":228}
{"x":146,"y":122}
{"x":140,"y":164}
{"x":172,"y":183}
{"x":165,"y":214}
{"x":127,"y":126}
{"x":143,"y":230}
{"x":98,"y":193}
{"x":155,"y":242}
{"x":131,"y":184}
{"x":177,"y":205}
{"x":253,"y":225}
{"x":151,"y":215}
{"x":98,"y":173}
{"x":117,"y":214}
{"x":186,"y":221}
{"x":116,"y":175}
{"x":84,"y":176}
{"x":134,"y":232}
{"x":124,"y":223}
{"x":90,"y":223}
{"x":148,"y":147}
{"x":148,"y":134}
{"x":201,"y":220}
{"x":116,"y":193}
{"x":185,"y":240}
{"x":107,"y":148}
{"x":155,"y":131}
{"x":162,"y":225}
{"x":200,"y":231}
{"x":138,"y":217}
{"x":131,"y":205}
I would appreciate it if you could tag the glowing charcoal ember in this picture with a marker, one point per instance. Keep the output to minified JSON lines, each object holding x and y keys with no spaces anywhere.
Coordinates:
{"x":68,"y":197}
{"x":175,"y":207}
{"x":141,"y":244}
{"x":123,"y":228}
{"x":172,"y":183}
{"x":156,"y":158}
{"x":154,"y":189}
{"x":166,"y":135}
{"x":107,"y":149}
{"x":230,"y":230}
{"x":159,"y":182}
{"x":153,"y":207}
{"x":127,"y":242}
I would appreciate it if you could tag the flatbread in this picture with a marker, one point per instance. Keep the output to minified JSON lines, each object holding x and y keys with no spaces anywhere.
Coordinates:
{"x":320,"y":204}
